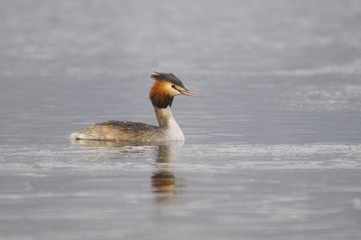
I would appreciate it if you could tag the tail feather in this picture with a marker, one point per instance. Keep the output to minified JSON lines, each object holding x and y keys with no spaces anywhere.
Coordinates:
{"x":78,"y":135}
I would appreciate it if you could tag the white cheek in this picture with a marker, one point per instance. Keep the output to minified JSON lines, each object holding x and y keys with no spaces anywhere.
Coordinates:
{"x":173,"y":92}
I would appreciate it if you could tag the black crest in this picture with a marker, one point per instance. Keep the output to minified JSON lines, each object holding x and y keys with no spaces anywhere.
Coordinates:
{"x":169,"y":77}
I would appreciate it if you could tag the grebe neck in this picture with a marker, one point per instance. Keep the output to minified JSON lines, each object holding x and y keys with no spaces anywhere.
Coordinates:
{"x":165,"y":117}
{"x":167,"y":122}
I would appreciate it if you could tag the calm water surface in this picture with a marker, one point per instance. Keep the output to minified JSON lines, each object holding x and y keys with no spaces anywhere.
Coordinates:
{"x":272,"y":147}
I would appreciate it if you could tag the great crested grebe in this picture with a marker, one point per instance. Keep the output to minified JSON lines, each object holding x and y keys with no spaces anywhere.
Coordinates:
{"x":165,"y":87}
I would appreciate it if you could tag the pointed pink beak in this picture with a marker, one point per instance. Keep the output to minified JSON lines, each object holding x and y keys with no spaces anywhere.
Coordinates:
{"x":187,"y":92}
{"x":190,"y":93}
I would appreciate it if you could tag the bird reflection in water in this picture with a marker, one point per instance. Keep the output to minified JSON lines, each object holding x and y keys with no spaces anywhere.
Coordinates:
{"x":164,"y":184}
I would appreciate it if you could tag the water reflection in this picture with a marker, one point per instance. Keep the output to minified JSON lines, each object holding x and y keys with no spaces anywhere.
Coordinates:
{"x":164,"y":184}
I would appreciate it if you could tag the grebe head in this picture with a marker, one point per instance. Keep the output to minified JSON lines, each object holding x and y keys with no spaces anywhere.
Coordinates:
{"x":165,"y":87}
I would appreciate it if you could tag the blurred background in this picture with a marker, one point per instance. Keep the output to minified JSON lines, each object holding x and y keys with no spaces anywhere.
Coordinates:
{"x":272,"y":146}
{"x":259,"y":65}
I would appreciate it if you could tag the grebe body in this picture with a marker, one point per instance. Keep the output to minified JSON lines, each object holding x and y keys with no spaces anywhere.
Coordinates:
{"x":165,"y":87}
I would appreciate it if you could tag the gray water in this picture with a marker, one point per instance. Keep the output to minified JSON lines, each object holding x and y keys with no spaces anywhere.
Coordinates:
{"x":273,"y":146}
